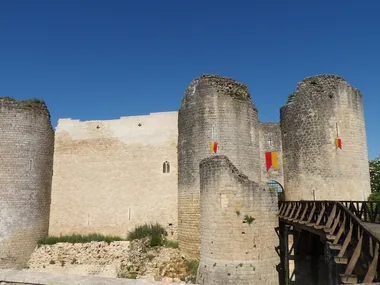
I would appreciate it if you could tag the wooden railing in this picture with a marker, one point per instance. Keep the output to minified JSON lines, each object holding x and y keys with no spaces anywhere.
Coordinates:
{"x":342,"y":225}
{"x":365,"y":211}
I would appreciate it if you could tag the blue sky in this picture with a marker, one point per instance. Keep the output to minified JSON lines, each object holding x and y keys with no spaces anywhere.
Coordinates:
{"x":106,"y":59}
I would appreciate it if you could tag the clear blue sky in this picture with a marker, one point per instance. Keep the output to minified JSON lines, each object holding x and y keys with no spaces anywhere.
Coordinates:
{"x":106,"y":59}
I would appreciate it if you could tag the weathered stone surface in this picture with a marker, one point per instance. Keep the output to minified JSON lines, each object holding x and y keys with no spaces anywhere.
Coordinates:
{"x":108,"y":175}
{"x":323,"y":108}
{"x":117,"y":259}
{"x":238,"y":218}
{"x":224,"y":105}
{"x":26,"y":156}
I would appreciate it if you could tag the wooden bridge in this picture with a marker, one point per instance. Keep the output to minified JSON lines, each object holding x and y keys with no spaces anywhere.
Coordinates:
{"x":345,"y":233}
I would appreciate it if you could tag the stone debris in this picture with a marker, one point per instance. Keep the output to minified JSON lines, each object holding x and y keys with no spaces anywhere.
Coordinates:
{"x":122,"y":259}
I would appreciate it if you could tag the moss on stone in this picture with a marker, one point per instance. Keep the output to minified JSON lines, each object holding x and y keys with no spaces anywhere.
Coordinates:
{"x":34,"y":103}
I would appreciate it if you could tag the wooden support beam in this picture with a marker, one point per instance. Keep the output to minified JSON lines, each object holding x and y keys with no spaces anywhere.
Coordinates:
{"x":372,"y":268}
{"x":355,"y":256}
{"x":340,"y":231}
{"x":347,"y":240}
{"x":311,"y":213}
{"x":331,"y":217}
{"x":303,"y":213}
{"x":292,"y":212}
{"x":336,"y":222}
{"x":297,"y":213}
{"x":321,"y":213}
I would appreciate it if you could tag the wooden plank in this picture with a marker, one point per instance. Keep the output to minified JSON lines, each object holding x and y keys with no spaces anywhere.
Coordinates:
{"x":355,"y":256}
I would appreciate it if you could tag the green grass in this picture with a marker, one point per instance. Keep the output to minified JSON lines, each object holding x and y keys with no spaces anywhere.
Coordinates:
{"x":33,"y":103}
{"x":156,"y":233}
{"x":78,"y":239}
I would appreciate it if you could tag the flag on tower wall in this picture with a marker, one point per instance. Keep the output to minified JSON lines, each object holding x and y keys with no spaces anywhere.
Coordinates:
{"x":271,"y":160}
{"x":338,"y":143}
{"x":214,"y":147}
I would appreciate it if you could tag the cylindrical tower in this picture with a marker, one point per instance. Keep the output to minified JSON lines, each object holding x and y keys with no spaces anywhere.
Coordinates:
{"x":219,"y":109}
{"x":26,"y":155}
{"x":324,"y":141}
{"x":238,"y":222}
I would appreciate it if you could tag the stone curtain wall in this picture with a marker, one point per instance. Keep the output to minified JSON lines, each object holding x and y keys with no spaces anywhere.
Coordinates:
{"x":223,"y":104}
{"x":321,"y":107}
{"x":26,"y":154}
{"x":108,"y":175}
{"x":270,"y":141}
{"x":232,"y":250}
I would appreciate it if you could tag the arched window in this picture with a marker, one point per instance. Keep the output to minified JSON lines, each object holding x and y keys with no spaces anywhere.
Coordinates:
{"x":166,"y":167}
{"x":278,"y":187}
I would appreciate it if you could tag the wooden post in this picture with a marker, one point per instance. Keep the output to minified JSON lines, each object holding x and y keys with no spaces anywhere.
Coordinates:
{"x":284,"y":252}
{"x":332,"y":270}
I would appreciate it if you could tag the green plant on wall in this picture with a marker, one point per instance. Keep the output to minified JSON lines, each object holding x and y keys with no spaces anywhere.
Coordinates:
{"x":249,"y":219}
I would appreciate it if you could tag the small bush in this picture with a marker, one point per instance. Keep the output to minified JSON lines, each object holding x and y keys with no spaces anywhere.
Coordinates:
{"x":156,"y":233}
{"x":78,"y":239}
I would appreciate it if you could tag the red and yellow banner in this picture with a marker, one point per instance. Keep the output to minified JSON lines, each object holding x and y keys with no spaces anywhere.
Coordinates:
{"x":338,"y":143}
{"x":214,"y":147}
{"x":271,"y":160}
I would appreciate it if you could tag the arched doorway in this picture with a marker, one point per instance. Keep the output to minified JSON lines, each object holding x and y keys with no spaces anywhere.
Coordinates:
{"x":278,"y":187}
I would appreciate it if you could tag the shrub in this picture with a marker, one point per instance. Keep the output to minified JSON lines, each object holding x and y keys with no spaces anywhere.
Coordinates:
{"x":156,"y":233}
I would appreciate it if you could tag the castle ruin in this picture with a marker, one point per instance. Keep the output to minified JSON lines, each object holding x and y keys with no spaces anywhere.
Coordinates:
{"x":109,"y":176}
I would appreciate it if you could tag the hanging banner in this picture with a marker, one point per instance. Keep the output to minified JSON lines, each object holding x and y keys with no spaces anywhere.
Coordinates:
{"x":214,"y":143}
{"x":214,"y":147}
{"x":338,"y":143}
{"x":271,"y":160}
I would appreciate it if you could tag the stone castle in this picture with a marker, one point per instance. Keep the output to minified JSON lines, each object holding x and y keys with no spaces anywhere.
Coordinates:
{"x":206,"y":173}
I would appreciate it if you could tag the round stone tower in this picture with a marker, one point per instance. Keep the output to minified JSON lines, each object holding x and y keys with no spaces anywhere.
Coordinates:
{"x":238,"y":222}
{"x":324,"y":141}
{"x":26,"y":155}
{"x":214,"y":109}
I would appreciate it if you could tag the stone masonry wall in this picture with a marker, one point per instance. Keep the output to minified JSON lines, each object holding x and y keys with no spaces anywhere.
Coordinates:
{"x":26,"y":156}
{"x":224,"y":105}
{"x":323,"y":108}
{"x":108,"y":175}
{"x":234,"y":251}
{"x":270,"y":141}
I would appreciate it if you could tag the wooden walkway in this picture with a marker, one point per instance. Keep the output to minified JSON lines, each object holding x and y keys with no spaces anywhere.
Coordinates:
{"x":351,"y":229}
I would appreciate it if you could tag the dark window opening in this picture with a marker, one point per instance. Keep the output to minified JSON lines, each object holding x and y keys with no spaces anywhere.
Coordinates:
{"x":166,"y":167}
